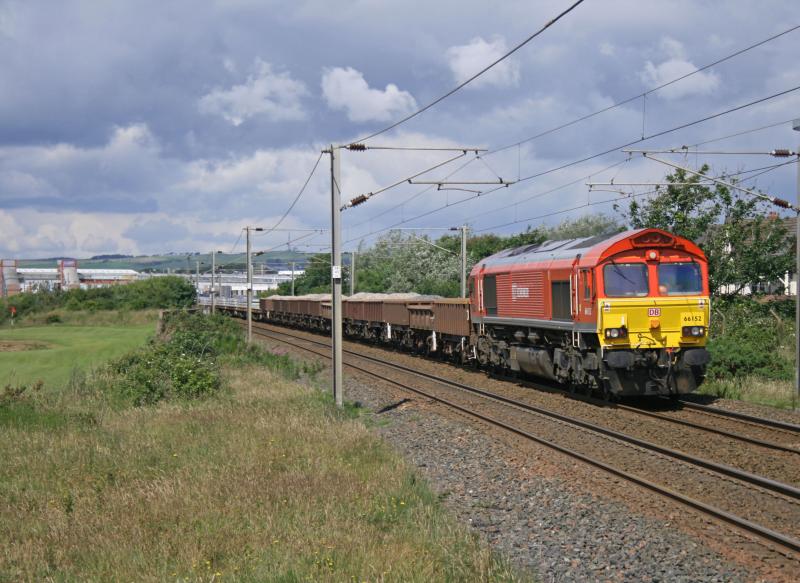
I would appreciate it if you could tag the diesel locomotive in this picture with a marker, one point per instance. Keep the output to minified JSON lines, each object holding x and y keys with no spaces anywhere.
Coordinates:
{"x":624,"y":314}
{"x":621,"y":314}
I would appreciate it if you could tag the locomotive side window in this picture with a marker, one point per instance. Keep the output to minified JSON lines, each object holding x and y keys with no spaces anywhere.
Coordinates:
{"x":625,"y":280}
{"x":490,"y":295}
{"x":676,"y":279}
{"x":561,"y":301}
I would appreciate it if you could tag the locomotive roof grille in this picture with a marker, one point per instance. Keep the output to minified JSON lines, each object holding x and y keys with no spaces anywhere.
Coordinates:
{"x":558,"y":249}
{"x":551,"y":246}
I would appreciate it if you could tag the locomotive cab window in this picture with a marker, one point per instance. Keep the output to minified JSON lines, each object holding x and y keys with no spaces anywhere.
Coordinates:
{"x":677,"y":279}
{"x":586,"y":274}
{"x":626,"y":280}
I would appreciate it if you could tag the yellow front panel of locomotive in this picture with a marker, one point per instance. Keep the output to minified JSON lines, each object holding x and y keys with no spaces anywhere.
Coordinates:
{"x":653,"y":322}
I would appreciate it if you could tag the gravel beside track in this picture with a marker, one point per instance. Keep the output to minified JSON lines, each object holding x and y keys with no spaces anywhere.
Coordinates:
{"x":536,"y":507}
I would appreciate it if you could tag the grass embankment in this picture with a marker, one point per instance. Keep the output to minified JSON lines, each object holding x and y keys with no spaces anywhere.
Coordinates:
{"x":263,"y":480}
{"x":752,"y":389}
{"x":51,"y":353}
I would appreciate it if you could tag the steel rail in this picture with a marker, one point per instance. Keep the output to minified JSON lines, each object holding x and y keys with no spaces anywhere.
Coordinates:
{"x":656,"y":415}
{"x":760,"y":481}
{"x":743,"y":416}
{"x":753,"y":440}
{"x":741,"y":523}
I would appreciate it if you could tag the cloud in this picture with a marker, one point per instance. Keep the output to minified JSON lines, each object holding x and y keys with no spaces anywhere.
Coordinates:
{"x":346,"y":89}
{"x":122,"y":175}
{"x":676,"y":65}
{"x":274,"y":95}
{"x":466,"y":60}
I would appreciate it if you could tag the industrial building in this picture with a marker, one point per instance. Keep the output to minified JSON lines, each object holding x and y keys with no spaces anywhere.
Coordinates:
{"x":66,"y":275}
{"x":69,"y":275}
{"x":235,"y":284}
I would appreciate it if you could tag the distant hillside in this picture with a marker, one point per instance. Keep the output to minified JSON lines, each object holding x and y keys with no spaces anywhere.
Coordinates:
{"x":182,"y":262}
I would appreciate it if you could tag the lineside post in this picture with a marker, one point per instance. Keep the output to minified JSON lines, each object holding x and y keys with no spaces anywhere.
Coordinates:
{"x":213,"y":274}
{"x":352,"y":272}
{"x":249,"y":291}
{"x":336,"y":275}
{"x":796,"y":396}
{"x":464,"y":261}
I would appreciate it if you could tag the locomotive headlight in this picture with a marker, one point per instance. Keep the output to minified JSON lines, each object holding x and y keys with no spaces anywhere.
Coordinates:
{"x":615,"y":333}
{"x":695,"y":331}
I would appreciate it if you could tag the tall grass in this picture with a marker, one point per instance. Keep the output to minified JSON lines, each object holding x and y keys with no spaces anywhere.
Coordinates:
{"x":752,"y":389}
{"x":268,"y":482}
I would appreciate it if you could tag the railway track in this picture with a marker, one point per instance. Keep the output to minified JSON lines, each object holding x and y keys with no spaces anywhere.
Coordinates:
{"x":513,"y":415}
{"x":790,"y":428}
{"x":786,"y":431}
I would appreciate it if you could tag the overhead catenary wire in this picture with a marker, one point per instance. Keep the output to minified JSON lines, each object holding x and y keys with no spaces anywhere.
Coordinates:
{"x":289,"y":242}
{"x":664,"y":132}
{"x":644,"y":94}
{"x":538,"y":195}
{"x":296,"y":198}
{"x":593,"y":156}
{"x":742,"y":133}
{"x":362,"y":198}
{"x":588,"y":204}
{"x":417,"y":195}
{"x":624,"y":102}
{"x":463,"y":84}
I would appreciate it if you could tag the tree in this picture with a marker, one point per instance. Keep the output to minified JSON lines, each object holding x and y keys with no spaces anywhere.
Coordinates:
{"x":585,"y":226}
{"x":315,"y":280}
{"x":742,"y":243}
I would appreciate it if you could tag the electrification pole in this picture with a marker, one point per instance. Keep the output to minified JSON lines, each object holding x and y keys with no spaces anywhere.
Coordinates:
{"x":336,"y":274}
{"x":250,"y":285}
{"x":352,"y":272}
{"x":213,"y":274}
{"x":249,"y":291}
{"x":197,"y":276}
{"x":292,"y":277}
{"x":796,"y":127}
{"x":464,"y":261}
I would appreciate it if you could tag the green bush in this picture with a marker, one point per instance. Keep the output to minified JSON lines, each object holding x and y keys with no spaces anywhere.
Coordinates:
{"x":183,"y":364}
{"x":751,"y":338}
{"x":158,"y":373}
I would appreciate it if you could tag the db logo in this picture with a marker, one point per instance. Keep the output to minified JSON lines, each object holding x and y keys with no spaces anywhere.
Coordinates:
{"x":653,"y":312}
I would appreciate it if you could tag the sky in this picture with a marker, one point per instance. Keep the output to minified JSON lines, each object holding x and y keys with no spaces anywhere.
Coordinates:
{"x":167,"y":126}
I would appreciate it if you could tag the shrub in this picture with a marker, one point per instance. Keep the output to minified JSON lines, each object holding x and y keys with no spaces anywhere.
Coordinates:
{"x":157,"y":373}
{"x":750,"y":338}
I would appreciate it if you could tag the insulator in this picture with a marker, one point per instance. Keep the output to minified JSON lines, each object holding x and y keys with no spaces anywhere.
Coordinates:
{"x":781,"y":203}
{"x":357,"y":147}
{"x":782,"y":153}
{"x":361,"y":198}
